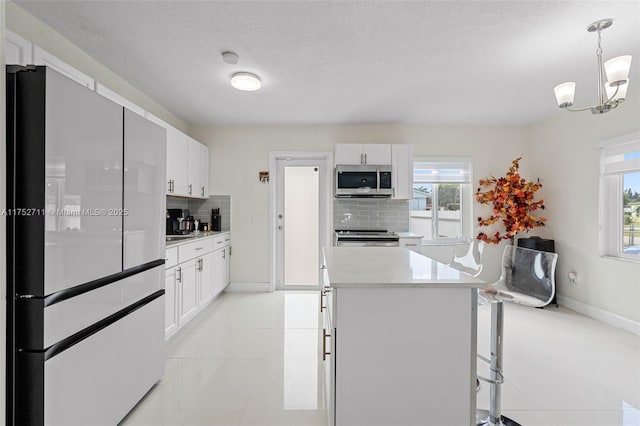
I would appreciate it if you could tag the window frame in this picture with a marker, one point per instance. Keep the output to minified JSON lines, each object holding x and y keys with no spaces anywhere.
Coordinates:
{"x":466,"y":201}
{"x":611,"y":208}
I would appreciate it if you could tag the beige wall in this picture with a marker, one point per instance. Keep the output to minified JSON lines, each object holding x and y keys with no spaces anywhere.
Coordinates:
{"x":564,"y":154}
{"x":34,"y":30}
{"x":238,"y":153}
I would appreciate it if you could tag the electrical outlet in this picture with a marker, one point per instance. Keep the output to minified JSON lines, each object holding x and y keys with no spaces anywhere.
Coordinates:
{"x":573,"y":277}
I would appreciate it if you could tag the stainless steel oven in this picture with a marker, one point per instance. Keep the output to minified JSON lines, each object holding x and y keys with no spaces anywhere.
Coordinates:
{"x":366,"y":238}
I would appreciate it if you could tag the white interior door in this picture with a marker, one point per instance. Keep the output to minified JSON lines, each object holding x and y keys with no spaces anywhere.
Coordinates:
{"x":301,"y":219}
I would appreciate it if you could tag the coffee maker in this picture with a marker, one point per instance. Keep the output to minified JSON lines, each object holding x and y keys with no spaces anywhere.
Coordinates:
{"x":216,"y":220}
{"x":178,"y":222}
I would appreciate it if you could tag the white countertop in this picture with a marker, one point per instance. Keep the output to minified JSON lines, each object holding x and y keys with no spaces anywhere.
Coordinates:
{"x":193,"y":237}
{"x":390,"y":267}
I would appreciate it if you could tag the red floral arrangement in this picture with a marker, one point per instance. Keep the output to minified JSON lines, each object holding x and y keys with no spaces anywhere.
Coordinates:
{"x":512,"y":199}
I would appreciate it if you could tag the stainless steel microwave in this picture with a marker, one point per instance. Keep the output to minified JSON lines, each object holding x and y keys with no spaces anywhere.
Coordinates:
{"x":362,"y":181}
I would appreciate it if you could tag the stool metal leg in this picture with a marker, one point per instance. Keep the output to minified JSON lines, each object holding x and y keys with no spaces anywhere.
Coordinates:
{"x":494,"y":416}
{"x":495,"y":391}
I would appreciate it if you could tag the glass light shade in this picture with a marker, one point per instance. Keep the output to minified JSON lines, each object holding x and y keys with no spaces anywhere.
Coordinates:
{"x":617,"y":68}
{"x":622,"y":91}
{"x":565,"y":93}
{"x":245,"y":81}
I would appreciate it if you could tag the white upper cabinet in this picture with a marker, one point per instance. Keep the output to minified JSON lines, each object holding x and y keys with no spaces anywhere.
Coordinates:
{"x":402,"y":171}
{"x":203,"y":158}
{"x":177,"y":163}
{"x":177,"y":157}
{"x":372,"y":154}
{"x":110,"y":94}
{"x":197,"y":169}
{"x":17,"y":50}
{"x":193,"y":170}
{"x":42,"y":57}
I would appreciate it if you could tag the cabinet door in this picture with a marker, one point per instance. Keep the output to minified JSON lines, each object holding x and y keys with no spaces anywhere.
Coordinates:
{"x":349,"y":153}
{"x":17,"y":50}
{"x":206,"y":279}
{"x":188,"y":289}
{"x":402,"y":171}
{"x":144,"y":200}
{"x":203,"y":189}
{"x":171,"y":303}
{"x":193,"y":167}
{"x":219,"y":271}
{"x":177,"y":152}
{"x":42,"y":57}
{"x":227,"y":252}
{"x":377,"y":154}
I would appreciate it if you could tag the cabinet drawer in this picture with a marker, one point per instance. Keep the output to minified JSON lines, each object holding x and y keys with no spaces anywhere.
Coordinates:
{"x":413,"y":244}
{"x":194,"y":249}
{"x":171,"y":257}
{"x":221,"y":240}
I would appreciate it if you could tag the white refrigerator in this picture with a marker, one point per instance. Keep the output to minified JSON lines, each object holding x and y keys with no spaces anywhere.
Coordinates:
{"x":85,"y":258}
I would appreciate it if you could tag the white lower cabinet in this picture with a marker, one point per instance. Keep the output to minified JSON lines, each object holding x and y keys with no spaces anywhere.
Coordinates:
{"x":171,"y":303}
{"x":188,"y":290}
{"x":206,"y":279}
{"x":197,"y":272}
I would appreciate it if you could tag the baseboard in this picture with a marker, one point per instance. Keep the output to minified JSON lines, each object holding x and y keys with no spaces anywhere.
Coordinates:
{"x":248,"y":288}
{"x":600,"y":314}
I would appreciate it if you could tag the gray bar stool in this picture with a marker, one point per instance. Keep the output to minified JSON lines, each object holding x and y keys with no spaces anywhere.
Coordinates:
{"x":527,"y":278}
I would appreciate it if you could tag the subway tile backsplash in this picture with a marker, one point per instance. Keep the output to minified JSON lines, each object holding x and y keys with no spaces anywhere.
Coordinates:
{"x":201,"y":209}
{"x":363,"y":213}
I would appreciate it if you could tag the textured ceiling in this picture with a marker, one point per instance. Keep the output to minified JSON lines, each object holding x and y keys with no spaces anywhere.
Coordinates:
{"x":431,"y":62}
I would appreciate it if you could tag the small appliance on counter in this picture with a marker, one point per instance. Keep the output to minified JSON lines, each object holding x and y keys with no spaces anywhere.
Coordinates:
{"x":216,"y":220}
{"x":179,"y":222}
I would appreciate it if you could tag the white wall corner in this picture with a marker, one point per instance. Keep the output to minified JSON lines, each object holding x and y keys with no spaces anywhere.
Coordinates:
{"x":607,"y":317}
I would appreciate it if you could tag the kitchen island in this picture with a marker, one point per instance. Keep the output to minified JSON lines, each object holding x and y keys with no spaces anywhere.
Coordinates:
{"x":399,"y":339}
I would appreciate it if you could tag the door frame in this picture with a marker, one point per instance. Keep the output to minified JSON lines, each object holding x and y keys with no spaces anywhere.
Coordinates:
{"x":326,"y":202}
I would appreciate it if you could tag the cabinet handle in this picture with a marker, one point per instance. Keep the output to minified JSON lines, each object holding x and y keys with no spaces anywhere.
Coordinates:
{"x":219,"y":242}
{"x":169,"y":189}
{"x":199,"y":248}
{"x":365,"y":158}
{"x":179,"y":277}
{"x":361,"y":158}
{"x":203,"y":191}
{"x":190,"y":188}
{"x":321,"y":301}
{"x":324,"y":344}
{"x":224,"y":254}
{"x":201,"y":261}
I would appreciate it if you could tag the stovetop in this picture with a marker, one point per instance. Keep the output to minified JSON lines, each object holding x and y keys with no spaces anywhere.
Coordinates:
{"x":366,"y":233}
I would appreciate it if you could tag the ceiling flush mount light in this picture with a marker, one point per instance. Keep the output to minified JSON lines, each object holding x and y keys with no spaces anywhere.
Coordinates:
{"x":246,"y":81}
{"x":611,"y":92}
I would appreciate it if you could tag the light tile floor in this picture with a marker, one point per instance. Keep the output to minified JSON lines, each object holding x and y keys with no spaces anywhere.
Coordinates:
{"x":254,"y":360}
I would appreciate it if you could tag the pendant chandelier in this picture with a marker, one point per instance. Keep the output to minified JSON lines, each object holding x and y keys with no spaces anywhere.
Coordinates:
{"x":612,"y":91}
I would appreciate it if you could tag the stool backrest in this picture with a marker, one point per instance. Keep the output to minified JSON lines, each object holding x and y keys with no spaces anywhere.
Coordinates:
{"x":528,"y":276}
{"x":468,"y":257}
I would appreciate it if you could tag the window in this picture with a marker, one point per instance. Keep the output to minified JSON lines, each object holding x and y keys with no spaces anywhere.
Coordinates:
{"x":620,"y":197}
{"x":441,"y":203}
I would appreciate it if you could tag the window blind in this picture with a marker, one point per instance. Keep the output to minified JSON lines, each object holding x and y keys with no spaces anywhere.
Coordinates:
{"x":618,"y":158}
{"x":442,"y":171}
